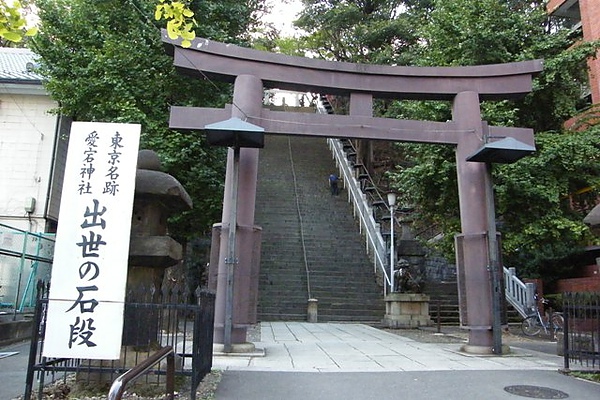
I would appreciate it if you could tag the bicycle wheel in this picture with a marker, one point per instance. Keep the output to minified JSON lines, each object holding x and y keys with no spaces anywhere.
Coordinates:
{"x":531,"y":326}
{"x":557,"y":322}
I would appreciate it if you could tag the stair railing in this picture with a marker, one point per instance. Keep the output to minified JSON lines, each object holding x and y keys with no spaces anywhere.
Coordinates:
{"x":374,"y":242}
{"x":119,"y":385}
{"x":518,"y":293}
{"x":300,"y":220}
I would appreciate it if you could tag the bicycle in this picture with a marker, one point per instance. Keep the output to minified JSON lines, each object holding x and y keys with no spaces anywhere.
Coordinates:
{"x":533,"y":324}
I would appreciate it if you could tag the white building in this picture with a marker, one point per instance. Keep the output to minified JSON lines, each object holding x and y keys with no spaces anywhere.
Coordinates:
{"x":33,"y":145}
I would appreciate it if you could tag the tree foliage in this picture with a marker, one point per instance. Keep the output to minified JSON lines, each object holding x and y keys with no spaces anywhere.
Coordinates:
{"x":557,"y":186}
{"x":466,"y":32}
{"x":13,"y":25}
{"x":474,"y":32}
{"x":179,"y":18}
{"x":373,"y":31}
{"x":104,"y":61}
{"x":180,"y":21}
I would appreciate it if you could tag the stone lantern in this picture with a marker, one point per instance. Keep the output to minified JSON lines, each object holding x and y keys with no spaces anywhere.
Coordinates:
{"x":151,"y":250}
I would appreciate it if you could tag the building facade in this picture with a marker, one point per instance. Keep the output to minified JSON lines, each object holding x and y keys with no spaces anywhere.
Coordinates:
{"x":584,"y":15}
{"x":33,"y":145}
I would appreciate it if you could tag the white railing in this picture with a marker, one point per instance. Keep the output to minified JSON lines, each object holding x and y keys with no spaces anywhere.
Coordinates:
{"x":374,"y":242}
{"x":519,"y":294}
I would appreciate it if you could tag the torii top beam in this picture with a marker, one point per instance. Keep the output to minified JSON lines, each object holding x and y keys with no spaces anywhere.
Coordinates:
{"x":224,"y":62}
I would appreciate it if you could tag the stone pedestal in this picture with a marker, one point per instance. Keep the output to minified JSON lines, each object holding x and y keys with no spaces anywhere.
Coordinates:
{"x":312,"y":310}
{"x":406,"y":310}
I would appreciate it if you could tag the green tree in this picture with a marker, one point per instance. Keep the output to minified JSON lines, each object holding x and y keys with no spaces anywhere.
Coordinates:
{"x":180,"y":21}
{"x":557,"y":186}
{"x":368,"y":31}
{"x":474,"y":32}
{"x":13,"y":25}
{"x":104,"y":61}
{"x":468,"y":32}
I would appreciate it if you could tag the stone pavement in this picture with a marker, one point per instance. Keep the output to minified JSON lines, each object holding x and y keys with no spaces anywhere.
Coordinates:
{"x":328,"y":361}
{"x":331,"y":347}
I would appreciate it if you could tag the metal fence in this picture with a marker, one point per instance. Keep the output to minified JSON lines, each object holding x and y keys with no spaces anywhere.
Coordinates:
{"x":25,"y":258}
{"x":175,"y":317}
{"x":581,"y":340}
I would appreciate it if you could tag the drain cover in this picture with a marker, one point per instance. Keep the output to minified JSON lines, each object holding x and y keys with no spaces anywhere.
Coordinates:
{"x":536,"y":392}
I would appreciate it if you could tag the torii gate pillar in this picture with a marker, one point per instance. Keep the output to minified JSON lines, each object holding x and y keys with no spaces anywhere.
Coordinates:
{"x":247,"y":97}
{"x":471,"y":251}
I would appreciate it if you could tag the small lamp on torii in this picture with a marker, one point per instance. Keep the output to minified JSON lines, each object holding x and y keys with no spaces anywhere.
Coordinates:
{"x":505,"y":151}
{"x":233,"y":133}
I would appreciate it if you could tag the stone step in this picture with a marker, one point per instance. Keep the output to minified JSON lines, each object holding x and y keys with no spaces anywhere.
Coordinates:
{"x":332,"y":245}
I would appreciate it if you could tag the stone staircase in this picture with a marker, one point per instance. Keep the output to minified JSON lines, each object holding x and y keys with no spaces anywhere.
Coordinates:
{"x":293,"y":197}
{"x":444,"y":300}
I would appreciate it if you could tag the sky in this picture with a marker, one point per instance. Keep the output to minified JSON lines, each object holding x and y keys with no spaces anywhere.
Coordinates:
{"x":283,"y":13}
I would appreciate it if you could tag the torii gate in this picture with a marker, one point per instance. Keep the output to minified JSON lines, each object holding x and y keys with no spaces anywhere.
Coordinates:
{"x":253,"y":70}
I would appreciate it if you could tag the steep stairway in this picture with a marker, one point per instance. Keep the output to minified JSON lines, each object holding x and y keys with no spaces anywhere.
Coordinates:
{"x":293,"y":197}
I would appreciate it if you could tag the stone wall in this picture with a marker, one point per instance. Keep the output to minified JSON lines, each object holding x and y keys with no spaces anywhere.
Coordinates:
{"x":438,"y":269}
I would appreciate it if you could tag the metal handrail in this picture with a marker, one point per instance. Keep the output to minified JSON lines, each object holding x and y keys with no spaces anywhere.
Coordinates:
{"x":300,"y":220}
{"x":519,"y":294}
{"x":118,"y":387}
{"x":362,"y":209}
{"x":363,"y":175}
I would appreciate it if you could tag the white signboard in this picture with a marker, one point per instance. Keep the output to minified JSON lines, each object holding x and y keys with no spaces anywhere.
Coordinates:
{"x":89,"y":273}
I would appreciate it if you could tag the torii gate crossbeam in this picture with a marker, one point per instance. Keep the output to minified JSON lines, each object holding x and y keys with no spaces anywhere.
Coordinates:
{"x":342,"y":126}
{"x":253,"y":70}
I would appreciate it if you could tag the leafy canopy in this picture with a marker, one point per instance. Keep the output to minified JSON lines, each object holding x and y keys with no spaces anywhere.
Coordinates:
{"x":13,"y":25}
{"x":104,"y":61}
{"x":179,"y":18}
{"x":180,"y":21}
{"x":372,"y":31}
{"x":469,"y":32}
{"x":475,"y":32}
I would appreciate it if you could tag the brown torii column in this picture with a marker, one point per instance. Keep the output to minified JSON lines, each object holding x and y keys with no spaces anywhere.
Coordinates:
{"x":465,"y":86}
{"x":247,"y":96}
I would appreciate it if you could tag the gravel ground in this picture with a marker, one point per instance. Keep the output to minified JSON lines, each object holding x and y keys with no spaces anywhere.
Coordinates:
{"x":63,"y":390}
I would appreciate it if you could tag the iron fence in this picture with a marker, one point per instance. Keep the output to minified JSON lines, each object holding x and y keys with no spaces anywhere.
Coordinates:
{"x":581,"y":340}
{"x":175,"y":317}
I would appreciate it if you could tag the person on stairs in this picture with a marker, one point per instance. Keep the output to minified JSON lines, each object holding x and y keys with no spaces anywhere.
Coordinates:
{"x":333,"y":184}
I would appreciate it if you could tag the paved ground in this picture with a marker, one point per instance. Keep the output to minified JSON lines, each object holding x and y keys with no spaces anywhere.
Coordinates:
{"x":306,"y":347}
{"x":13,"y":369}
{"x":352,"y":361}
{"x":303,"y":361}
{"x":443,"y":385}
